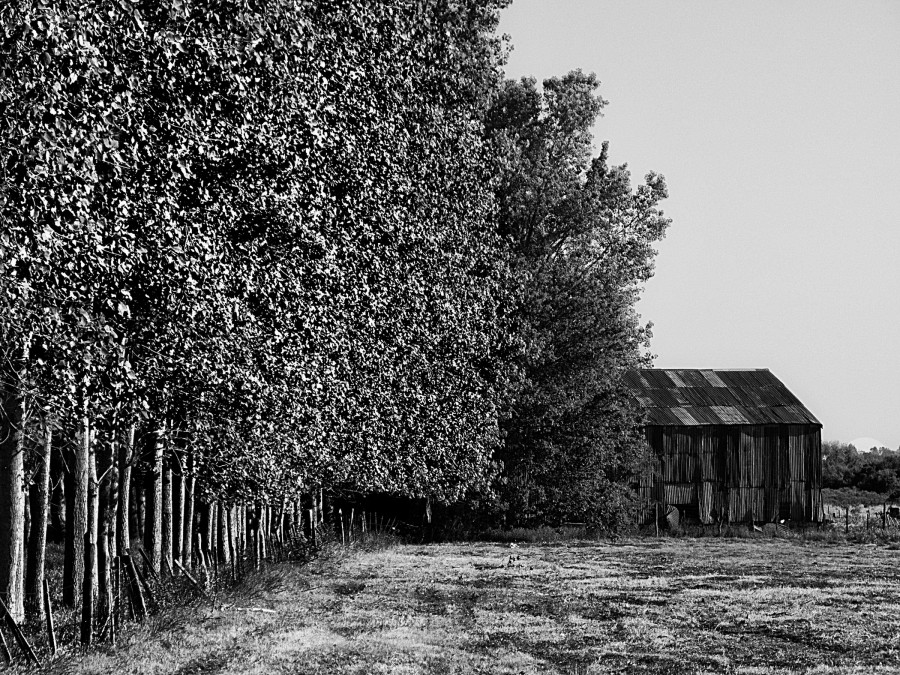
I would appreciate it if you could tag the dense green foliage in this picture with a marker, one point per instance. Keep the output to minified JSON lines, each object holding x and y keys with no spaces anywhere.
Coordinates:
{"x":259,"y":225}
{"x":582,"y":243}
{"x":878,"y":470}
{"x":298,"y":245}
{"x":257,"y":251}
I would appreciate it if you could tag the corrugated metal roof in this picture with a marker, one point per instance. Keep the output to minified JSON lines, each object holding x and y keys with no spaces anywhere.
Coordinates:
{"x":704,"y":397}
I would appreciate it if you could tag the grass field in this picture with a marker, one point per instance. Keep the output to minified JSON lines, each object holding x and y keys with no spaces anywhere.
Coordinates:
{"x":657,"y":606}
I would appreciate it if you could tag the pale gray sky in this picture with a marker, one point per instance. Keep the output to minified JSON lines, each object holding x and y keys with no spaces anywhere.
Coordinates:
{"x":777,"y":126}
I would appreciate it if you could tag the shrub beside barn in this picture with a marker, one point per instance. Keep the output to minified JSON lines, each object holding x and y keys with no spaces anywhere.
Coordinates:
{"x":729,"y":446}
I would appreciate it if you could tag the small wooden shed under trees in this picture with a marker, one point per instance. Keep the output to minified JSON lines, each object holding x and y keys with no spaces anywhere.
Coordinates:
{"x":728,"y":446}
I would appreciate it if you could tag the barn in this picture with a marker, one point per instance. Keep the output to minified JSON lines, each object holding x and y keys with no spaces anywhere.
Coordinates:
{"x":729,"y":446}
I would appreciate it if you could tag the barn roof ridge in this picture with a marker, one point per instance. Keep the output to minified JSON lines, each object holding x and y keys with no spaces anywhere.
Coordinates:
{"x":715,"y":396}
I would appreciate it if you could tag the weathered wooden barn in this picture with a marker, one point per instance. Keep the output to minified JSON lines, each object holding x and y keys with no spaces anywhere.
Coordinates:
{"x":730,"y":446}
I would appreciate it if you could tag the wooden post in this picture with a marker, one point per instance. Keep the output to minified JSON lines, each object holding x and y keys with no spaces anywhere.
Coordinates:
{"x":312,"y":527}
{"x":17,"y":632}
{"x":5,"y":647}
{"x":341,"y":518}
{"x":48,"y":613}
{"x":847,"y":521}
{"x":193,"y":581}
{"x":134,"y":588}
{"x":656,"y":518}
{"x":149,"y":563}
{"x":167,"y":566}
{"x":146,"y":587}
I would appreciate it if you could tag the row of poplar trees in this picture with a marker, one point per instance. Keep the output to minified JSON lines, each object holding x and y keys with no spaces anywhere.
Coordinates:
{"x":250,"y":249}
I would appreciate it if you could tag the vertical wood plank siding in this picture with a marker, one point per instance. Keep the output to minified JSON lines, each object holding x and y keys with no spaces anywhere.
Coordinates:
{"x":736,"y":473}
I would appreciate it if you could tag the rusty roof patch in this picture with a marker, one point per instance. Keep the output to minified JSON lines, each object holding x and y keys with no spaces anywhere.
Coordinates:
{"x":721,"y":397}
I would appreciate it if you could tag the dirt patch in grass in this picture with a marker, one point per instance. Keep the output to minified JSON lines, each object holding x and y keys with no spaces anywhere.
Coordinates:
{"x":661,"y":606}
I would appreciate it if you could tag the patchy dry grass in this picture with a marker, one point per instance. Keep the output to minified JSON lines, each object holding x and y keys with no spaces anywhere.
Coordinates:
{"x":651,"y":606}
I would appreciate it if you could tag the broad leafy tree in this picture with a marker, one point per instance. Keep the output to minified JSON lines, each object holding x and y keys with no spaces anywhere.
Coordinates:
{"x":583,"y":246}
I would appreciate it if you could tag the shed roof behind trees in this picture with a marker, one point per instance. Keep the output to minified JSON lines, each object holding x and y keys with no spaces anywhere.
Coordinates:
{"x":708,"y":397}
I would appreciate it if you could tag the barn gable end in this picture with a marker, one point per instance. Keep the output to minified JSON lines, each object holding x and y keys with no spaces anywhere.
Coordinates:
{"x":730,"y":445}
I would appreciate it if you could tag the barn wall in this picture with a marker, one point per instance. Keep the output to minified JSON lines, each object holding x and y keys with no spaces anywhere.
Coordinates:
{"x":735,"y":473}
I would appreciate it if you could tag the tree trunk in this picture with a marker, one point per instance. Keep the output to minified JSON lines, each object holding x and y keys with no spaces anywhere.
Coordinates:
{"x":139,"y":491}
{"x":123,"y":525}
{"x":177,"y":508}
{"x":12,"y":483}
{"x":26,"y":527}
{"x":187,"y":535}
{"x":153,"y":486}
{"x":37,"y":542}
{"x":205,"y":527}
{"x":223,"y":538}
{"x":257,"y":539}
{"x":56,"y":529}
{"x":298,"y":519}
{"x":89,"y":588}
{"x":213,"y":538}
{"x":76,"y":520}
{"x":166,"y":559}
{"x":106,"y":525}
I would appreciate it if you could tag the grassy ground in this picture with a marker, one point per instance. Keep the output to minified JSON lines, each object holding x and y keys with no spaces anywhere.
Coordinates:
{"x":657,"y":606}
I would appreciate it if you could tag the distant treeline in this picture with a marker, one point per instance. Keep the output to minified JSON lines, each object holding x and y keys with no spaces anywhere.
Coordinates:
{"x":878,"y":470}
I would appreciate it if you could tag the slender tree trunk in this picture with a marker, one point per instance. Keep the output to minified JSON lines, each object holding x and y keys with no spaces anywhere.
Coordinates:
{"x":12,"y":483}
{"x":166,"y":560}
{"x":153,"y":523}
{"x":187,"y":536}
{"x":76,"y":520}
{"x":89,"y":588}
{"x":139,"y":490}
{"x":56,"y":529}
{"x":298,"y":519}
{"x":264,"y":531}
{"x":177,"y":509}
{"x":106,"y":526}
{"x":213,"y":539}
{"x":279,"y":521}
{"x":205,"y":527}
{"x":123,"y":529}
{"x":37,"y":543}
{"x":224,"y":534}
{"x":26,"y":527}
{"x":257,"y":538}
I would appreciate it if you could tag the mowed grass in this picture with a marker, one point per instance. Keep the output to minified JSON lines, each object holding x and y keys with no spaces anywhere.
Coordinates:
{"x":656,"y":606}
